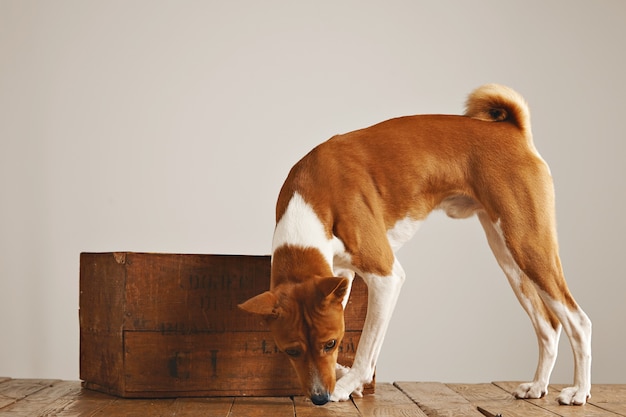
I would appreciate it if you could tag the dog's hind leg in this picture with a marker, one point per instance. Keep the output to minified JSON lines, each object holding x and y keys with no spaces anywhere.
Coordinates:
{"x":383,"y":292}
{"x":546,"y":325}
{"x":531,"y":262}
{"x":577,"y":326}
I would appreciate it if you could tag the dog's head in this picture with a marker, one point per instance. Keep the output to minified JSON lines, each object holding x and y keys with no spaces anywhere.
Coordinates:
{"x":306,"y":320}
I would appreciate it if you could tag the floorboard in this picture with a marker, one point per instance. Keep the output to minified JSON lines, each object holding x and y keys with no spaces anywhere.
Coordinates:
{"x":56,"y":398}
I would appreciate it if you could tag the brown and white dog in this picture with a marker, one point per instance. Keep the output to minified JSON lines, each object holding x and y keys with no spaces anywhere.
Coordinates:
{"x":349,"y":204}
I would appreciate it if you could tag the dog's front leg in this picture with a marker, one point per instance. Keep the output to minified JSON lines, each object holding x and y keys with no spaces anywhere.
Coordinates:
{"x":382,"y":297}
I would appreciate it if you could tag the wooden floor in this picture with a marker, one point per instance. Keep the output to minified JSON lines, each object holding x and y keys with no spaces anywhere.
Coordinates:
{"x":30,"y":397}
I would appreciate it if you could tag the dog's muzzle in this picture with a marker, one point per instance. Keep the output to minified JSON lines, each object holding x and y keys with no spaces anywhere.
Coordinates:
{"x":320,"y":399}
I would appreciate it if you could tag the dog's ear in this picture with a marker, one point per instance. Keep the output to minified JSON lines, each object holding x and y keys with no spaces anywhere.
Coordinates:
{"x":334,"y":288}
{"x":264,"y":304}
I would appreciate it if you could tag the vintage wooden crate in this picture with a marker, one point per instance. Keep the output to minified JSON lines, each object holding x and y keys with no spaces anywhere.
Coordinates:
{"x":167,"y":325}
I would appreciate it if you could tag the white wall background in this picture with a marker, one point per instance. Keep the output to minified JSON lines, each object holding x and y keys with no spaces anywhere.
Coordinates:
{"x":170,"y":126}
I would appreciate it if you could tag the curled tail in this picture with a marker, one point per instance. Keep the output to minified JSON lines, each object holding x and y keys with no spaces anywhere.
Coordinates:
{"x":498,"y":103}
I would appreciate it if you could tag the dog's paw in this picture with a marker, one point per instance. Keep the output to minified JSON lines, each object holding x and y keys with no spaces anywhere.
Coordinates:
{"x":573,"y":396}
{"x":340,"y":394}
{"x":358,"y":391}
{"x":348,"y":384}
{"x":531,"y":390}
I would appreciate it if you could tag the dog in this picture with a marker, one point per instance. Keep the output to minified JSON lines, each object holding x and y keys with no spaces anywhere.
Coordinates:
{"x":351,"y":202}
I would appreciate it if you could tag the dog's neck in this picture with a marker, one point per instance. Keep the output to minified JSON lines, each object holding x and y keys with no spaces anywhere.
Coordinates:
{"x":297,"y":264}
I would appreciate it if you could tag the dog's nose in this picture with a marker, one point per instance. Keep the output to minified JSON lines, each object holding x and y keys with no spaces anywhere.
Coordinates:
{"x":320,"y":399}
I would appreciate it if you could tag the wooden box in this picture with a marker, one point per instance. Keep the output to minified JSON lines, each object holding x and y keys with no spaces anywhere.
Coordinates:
{"x":168,"y":325}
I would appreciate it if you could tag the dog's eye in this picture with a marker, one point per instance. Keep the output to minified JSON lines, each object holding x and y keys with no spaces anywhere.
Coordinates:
{"x":330,"y":345}
{"x":294,"y":353}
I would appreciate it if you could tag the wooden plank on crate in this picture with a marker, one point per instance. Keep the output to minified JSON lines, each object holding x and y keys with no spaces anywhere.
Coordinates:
{"x":494,"y":399}
{"x":178,"y":365}
{"x":437,"y":400}
{"x":388,"y":401}
{"x":200,"y":293}
{"x":262,"y":407}
{"x":192,"y":293}
{"x":44,"y":401}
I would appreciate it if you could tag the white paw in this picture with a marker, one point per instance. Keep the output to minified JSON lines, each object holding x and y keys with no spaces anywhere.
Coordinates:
{"x":531,"y":390}
{"x":573,"y":396}
{"x":349,"y":383}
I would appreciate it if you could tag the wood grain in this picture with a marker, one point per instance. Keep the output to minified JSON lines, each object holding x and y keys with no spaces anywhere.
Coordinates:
{"x":436,"y":399}
{"x":54,"y":398}
{"x":259,"y":407}
{"x":48,"y":400}
{"x":84,"y":403}
{"x":498,"y":401}
{"x":388,"y":400}
{"x":193,"y":407}
{"x":610,"y":400}
{"x":305,"y":408}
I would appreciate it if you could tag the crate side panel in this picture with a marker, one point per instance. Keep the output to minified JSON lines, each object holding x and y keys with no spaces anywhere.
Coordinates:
{"x":230,"y":363}
{"x":101,"y":317}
